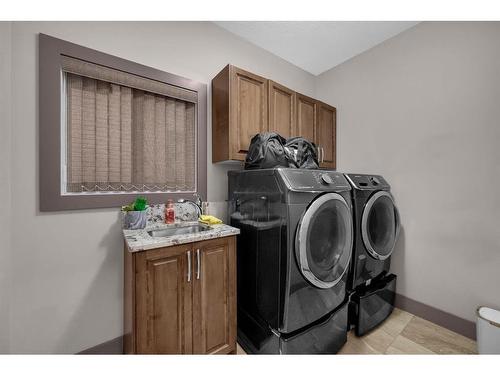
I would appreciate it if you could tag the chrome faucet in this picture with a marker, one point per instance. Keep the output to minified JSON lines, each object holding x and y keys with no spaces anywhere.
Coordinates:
{"x":196,"y":203}
{"x":198,"y":200}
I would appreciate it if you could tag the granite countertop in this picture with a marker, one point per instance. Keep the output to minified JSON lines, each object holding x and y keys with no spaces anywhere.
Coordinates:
{"x":138,"y":240}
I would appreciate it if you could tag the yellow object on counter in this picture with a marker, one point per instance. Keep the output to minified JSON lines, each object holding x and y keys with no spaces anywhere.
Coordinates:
{"x":209,"y":219}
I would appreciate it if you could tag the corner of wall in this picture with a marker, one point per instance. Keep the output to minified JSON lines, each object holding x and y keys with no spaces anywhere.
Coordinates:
{"x":5,"y":188}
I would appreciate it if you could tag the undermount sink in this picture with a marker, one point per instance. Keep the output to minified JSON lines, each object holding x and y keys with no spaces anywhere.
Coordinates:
{"x":189,"y":229}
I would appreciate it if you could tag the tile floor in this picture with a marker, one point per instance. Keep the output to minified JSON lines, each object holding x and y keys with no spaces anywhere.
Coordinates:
{"x":404,"y":333}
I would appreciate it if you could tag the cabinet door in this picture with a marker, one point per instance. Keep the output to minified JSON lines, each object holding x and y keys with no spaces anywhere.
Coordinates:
{"x":214,"y":296}
{"x":248,"y":109}
{"x":305,"y":117}
{"x":164,"y":301}
{"x":326,"y":134}
{"x":281,"y":110}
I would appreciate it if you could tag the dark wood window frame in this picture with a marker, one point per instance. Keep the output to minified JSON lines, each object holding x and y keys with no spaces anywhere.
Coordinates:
{"x":49,"y":72}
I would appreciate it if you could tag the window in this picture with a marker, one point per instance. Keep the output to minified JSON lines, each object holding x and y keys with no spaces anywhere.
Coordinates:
{"x":123,"y":129}
{"x":121,"y":138}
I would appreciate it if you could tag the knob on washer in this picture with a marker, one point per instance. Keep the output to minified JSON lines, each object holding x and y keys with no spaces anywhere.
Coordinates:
{"x":326,"y":179}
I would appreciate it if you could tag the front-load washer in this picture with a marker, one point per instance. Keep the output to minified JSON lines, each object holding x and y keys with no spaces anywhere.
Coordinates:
{"x":294,"y":251}
{"x":376,"y":228}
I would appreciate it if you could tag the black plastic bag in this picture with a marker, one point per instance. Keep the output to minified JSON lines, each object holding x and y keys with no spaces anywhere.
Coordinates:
{"x":267,"y":150}
{"x":302,"y":153}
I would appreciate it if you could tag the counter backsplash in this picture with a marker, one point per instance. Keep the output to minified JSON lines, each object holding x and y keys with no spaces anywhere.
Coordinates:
{"x":184,"y":212}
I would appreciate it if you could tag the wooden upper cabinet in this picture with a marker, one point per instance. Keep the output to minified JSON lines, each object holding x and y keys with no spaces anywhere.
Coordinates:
{"x":164,"y":301}
{"x":214,"y":297}
{"x":281,"y":110}
{"x":305,"y":117}
{"x":239,"y":111}
{"x":248,"y":108}
{"x":221,"y":149}
{"x":326,"y":135}
{"x":244,"y":104}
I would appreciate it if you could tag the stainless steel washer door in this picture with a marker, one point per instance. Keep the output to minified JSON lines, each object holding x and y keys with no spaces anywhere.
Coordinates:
{"x":324,"y":240}
{"x":380,"y":225}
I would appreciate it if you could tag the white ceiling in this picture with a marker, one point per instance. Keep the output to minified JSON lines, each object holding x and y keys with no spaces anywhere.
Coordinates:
{"x":316,"y":46}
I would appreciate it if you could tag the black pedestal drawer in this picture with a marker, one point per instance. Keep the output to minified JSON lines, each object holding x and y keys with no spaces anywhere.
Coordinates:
{"x":371,"y":305}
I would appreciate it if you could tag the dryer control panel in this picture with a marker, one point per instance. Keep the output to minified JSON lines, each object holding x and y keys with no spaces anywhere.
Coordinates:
{"x":314,"y":180}
{"x":368,"y":182}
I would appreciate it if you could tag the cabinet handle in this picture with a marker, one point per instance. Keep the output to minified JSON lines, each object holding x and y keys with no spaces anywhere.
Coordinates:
{"x":198,"y":264}
{"x":189,"y":265}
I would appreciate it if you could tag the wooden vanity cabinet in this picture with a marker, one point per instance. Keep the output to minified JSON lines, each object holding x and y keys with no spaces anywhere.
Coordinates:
{"x":181,"y":299}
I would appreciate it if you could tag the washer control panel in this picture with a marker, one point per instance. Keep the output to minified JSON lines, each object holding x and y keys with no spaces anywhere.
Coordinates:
{"x":314,"y":179}
{"x":368,"y":182}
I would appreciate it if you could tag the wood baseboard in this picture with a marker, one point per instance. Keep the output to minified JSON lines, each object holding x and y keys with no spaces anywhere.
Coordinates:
{"x":452,"y":322}
{"x":114,"y":346}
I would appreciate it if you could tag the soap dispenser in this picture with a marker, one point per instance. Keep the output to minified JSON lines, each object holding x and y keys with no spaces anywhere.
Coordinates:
{"x":169,"y":212}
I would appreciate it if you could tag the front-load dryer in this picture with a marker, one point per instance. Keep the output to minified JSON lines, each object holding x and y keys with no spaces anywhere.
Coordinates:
{"x":376,"y":227}
{"x":294,"y":252}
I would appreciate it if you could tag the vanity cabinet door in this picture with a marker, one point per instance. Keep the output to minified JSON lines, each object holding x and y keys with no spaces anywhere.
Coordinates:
{"x":214,"y":296}
{"x":164,"y":301}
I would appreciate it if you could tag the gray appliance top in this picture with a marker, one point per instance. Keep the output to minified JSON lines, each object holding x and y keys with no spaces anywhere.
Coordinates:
{"x":367,"y":181}
{"x":313,"y":180}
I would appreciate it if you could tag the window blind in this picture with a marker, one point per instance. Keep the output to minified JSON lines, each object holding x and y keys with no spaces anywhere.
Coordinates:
{"x":122,"y":138}
{"x":103,"y":73}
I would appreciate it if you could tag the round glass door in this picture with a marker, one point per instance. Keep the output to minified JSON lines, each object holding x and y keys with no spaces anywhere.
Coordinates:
{"x":380,"y":225}
{"x":324,"y":240}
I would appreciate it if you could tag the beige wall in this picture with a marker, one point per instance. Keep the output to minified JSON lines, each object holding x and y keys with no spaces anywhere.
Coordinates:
{"x":423,"y":110}
{"x":67,"y":266}
{"x":5,"y":148}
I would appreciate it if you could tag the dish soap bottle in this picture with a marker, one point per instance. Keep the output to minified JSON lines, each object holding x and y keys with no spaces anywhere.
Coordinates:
{"x":169,"y":212}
